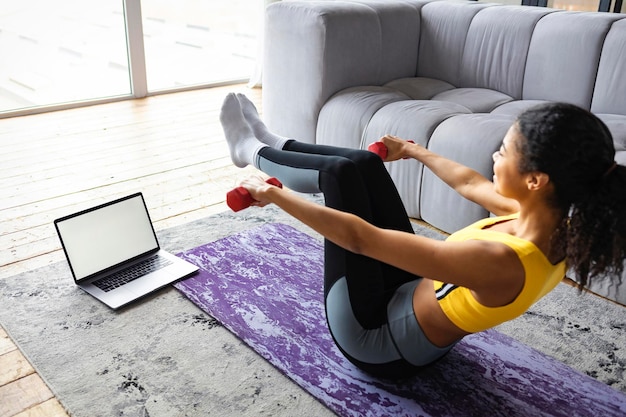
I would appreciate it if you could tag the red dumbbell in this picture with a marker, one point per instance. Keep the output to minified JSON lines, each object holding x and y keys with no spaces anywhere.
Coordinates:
{"x":380,"y":149}
{"x":239,"y":198}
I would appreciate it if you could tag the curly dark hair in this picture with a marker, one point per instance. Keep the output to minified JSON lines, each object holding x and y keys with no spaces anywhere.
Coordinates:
{"x":575,"y":148}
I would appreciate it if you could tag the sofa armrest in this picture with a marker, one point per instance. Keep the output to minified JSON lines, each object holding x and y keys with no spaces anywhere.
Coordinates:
{"x":313,"y":49}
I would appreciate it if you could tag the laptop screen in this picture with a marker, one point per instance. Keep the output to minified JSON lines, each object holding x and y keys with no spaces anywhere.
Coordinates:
{"x":106,"y":236}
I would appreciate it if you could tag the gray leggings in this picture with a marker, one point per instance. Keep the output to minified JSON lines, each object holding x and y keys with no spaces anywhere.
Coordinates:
{"x":368,"y":303}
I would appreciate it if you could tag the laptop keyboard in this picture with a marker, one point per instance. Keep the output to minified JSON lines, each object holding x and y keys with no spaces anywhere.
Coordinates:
{"x":153,"y":263}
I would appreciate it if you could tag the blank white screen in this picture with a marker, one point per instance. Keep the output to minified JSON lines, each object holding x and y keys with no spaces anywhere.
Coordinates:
{"x":107,"y":236}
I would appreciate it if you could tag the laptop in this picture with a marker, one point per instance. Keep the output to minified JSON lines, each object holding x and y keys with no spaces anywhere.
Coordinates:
{"x":113,"y":252}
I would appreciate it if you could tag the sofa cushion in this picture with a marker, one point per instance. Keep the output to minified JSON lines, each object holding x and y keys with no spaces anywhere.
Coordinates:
{"x":515,"y":108}
{"x":612,"y":73}
{"x":412,"y":120}
{"x":477,"y":100}
{"x":345,"y":116}
{"x":470,"y":139}
{"x":420,"y":88}
{"x":495,"y":50}
{"x":564,"y":55}
{"x":444,"y":27}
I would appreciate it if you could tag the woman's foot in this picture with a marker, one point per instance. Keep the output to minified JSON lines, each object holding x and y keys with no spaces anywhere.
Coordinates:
{"x":243,"y":146}
{"x":261,"y":132}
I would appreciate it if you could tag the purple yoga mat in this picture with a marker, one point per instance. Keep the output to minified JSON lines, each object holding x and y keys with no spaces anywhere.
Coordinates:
{"x":265,"y":285}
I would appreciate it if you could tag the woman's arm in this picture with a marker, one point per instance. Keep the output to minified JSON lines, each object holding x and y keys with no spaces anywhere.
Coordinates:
{"x":473,"y":264}
{"x":464,"y":180}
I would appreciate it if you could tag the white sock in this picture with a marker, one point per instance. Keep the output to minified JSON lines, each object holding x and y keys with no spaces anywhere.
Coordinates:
{"x":259,"y":128}
{"x":244,"y":147}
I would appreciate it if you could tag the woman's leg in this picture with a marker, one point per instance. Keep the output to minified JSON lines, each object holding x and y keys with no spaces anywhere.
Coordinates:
{"x":356,"y":182}
{"x":357,"y":289}
{"x":353,"y":181}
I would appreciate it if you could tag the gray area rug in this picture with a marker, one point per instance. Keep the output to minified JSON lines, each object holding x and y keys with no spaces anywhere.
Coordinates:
{"x":165,"y":357}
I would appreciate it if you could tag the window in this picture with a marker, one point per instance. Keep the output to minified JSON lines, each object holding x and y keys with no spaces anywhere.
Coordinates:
{"x":64,"y":52}
{"x":60,"y":51}
{"x":192,"y":42}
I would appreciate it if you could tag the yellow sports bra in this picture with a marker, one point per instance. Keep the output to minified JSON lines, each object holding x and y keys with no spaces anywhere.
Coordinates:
{"x":460,"y":306}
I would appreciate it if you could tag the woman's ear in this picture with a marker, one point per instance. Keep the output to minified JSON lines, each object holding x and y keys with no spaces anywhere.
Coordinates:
{"x":537,"y":180}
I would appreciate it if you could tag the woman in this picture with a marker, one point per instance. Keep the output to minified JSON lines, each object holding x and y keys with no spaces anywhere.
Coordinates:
{"x":396,"y":301}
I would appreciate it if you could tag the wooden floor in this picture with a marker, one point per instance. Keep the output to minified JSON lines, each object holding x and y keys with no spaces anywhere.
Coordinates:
{"x":170,"y":147}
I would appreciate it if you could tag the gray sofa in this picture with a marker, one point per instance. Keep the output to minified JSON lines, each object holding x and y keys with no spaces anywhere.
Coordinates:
{"x":449,"y":75}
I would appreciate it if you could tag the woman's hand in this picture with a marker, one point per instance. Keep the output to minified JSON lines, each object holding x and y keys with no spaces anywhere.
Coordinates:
{"x":397,"y":148}
{"x":257,"y":187}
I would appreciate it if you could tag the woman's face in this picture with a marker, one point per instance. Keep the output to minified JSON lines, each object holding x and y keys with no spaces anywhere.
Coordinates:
{"x":507,"y":179}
